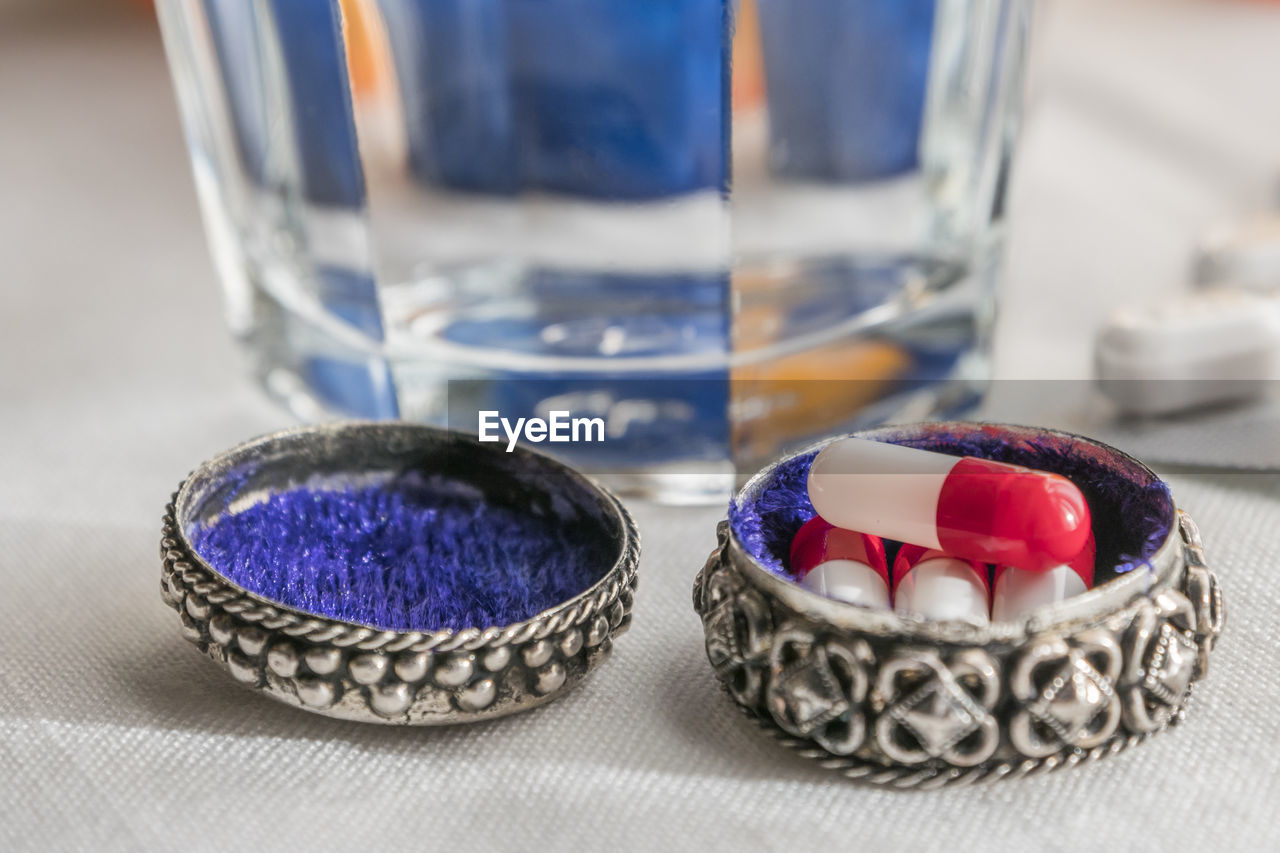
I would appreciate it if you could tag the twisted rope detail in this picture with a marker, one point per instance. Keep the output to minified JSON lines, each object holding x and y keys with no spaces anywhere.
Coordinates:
{"x":611,"y":600}
{"x":933,"y":778}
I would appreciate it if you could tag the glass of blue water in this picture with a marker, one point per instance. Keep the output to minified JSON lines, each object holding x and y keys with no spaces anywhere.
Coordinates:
{"x":713,"y":229}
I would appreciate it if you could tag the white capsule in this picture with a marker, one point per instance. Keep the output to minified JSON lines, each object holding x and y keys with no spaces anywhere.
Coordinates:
{"x":844,"y":565}
{"x":887,"y":489}
{"x":848,"y":581}
{"x":933,"y":585}
{"x":966,"y":507}
{"x":1018,"y":592}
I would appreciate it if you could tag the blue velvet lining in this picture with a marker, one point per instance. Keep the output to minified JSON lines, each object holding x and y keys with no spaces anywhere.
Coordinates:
{"x":410,"y":553}
{"x":1131,"y":510}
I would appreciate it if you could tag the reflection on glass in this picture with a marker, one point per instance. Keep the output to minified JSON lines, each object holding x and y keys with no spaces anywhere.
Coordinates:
{"x":689,"y":215}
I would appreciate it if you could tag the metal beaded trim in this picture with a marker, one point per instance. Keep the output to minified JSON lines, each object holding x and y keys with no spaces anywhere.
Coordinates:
{"x":356,"y":672}
{"x":885,"y":701}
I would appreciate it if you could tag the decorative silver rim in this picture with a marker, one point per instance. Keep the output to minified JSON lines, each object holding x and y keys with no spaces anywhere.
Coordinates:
{"x":358,"y":672}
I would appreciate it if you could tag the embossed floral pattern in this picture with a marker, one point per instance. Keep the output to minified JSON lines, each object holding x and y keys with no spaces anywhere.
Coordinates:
{"x":1066,"y":687}
{"x":1161,"y":654}
{"x":933,"y":709}
{"x":817,"y":688}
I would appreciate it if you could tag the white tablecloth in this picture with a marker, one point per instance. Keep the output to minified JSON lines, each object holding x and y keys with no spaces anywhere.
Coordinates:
{"x":1150,"y":121}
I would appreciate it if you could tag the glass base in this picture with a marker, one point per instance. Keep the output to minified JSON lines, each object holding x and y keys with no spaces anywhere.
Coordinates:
{"x":696,"y":380}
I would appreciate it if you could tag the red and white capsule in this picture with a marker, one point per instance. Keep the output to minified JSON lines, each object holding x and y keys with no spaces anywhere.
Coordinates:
{"x":935,"y":585}
{"x":841,"y":564}
{"x":970,"y":508}
{"x":1016,"y":592}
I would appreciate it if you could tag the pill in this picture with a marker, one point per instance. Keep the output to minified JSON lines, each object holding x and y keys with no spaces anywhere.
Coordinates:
{"x":1205,"y":348}
{"x":1016,"y":592}
{"x":973,"y":509}
{"x":841,"y":564}
{"x":936,"y":585}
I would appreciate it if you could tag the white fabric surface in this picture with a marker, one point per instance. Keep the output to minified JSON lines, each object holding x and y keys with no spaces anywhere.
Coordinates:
{"x":116,"y":377}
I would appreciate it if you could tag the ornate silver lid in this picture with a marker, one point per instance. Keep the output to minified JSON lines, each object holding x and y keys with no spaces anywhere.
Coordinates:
{"x":361,"y":672}
{"x":909,"y":702}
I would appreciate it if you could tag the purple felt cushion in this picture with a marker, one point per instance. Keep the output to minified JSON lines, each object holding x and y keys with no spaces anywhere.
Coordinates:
{"x":411,"y":553}
{"x":1131,"y":509}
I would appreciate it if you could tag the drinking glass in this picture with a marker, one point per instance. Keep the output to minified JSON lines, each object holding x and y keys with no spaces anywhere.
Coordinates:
{"x":721,"y":227}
